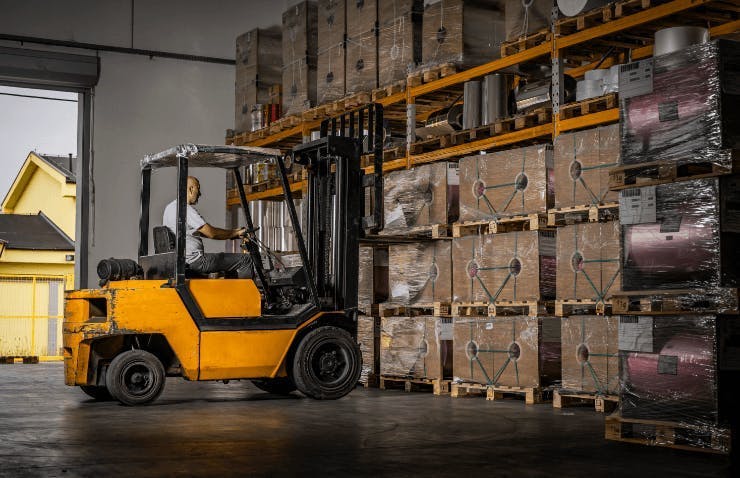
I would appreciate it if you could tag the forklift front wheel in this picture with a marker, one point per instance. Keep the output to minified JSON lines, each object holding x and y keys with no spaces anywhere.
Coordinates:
{"x":327,"y":363}
{"x":135,"y":377}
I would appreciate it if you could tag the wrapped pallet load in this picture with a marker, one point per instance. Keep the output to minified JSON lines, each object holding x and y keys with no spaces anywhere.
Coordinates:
{"x":589,"y":261}
{"x":300,"y":48}
{"x":368,"y":336}
{"x":415,"y":347}
{"x":590,"y":356}
{"x":512,"y":351}
{"x":422,"y":196}
{"x":516,"y":266}
{"x":372,"y":278}
{"x":330,"y":81}
{"x":362,"y":46}
{"x":681,"y":235}
{"x":506,"y":183}
{"x":258,"y":68}
{"x":420,"y":273}
{"x":582,"y":161}
{"x":399,"y":39}
{"x":464,"y":32}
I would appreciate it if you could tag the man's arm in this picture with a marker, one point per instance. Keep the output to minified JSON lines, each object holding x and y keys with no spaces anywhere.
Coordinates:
{"x":212,"y":232}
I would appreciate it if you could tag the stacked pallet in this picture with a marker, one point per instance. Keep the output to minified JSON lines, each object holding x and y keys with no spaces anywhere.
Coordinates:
{"x":679,"y":253}
{"x":372,"y":288}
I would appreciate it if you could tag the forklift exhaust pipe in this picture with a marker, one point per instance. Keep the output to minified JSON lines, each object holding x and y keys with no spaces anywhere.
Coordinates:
{"x":117,"y":269}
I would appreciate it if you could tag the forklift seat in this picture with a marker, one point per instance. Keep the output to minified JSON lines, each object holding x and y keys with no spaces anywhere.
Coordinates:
{"x":164,"y":240}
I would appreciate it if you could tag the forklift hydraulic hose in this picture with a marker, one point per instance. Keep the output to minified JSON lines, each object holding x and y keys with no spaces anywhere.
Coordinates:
{"x":117,"y":269}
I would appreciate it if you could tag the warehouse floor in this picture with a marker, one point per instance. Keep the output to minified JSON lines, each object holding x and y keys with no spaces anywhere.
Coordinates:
{"x":48,"y":429}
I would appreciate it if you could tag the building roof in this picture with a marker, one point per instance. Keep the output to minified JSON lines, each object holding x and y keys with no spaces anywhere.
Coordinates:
{"x":33,"y":232}
{"x":64,"y":164}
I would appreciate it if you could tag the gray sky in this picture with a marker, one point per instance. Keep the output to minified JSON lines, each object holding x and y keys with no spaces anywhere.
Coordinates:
{"x":29,"y":124}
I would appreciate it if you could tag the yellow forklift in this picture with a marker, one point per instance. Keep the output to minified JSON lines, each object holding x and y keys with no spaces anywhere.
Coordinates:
{"x":289,"y":328}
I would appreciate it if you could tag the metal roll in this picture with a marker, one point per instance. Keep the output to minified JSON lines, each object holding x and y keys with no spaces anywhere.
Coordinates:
{"x":495,"y":98}
{"x":471,"y":104}
{"x":571,"y":8}
{"x":673,"y":39}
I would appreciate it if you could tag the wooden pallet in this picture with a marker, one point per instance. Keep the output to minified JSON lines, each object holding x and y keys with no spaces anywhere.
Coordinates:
{"x":597,"y":16}
{"x":433,"y":231}
{"x":469,"y":309}
{"x":373,"y":381}
{"x":680,"y":436}
{"x":429,"y":74}
{"x":662,"y":172}
{"x":13,"y":359}
{"x":388,"y":155}
{"x":628,"y":7}
{"x":531,"y":395}
{"x":601,"y":403}
{"x":389,"y":90}
{"x":370,"y":310}
{"x":261,"y":186}
{"x":515,"y":46}
{"x":528,"y":222}
{"x":566,"y":216}
{"x":568,"y":307}
{"x":672,"y":302}
{"x":407,"y":384}
{"x":436,"y":309}
{"x":531,"y":308}
{"x":588,"y":106}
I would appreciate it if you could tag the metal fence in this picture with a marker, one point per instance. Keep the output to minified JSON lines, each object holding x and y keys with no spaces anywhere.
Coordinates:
{"x":31,"y":313}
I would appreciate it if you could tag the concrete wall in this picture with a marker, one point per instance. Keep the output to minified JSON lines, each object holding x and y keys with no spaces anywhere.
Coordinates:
{"x":143,"y":105}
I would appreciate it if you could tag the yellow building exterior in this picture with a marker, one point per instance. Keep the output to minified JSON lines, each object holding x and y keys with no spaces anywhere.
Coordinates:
{"x":37,"y":226}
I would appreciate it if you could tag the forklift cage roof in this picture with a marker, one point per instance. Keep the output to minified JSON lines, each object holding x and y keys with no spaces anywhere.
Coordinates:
{"x":206,"y":156}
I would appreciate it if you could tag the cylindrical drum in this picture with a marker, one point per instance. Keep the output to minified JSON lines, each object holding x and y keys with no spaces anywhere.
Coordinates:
{"x":494,"y":98}
{"x":571,"y":8}
{"x":471,"y":104}
{"x":673,"y":39}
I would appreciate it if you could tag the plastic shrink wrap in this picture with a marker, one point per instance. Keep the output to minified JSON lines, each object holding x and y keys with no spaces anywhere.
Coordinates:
{"x":464,"y":32}
{"x":373,"y":277}
{"x":330,"y":81}
{"x":414,"y":347}
{"x":691,"y":240}
{"x":421,"y":196}
{"x":258,"y":67}
{"x":527,"y":16}
{"x":399,"y":39}
{"x":589,"y":261}
{"x":300,"y":46}
{"x":691,"y":114}
{"x":368,"y":336}
{"x":362,"y":46}
{"x":514,"y":266}
{"x":512,"y":351}
{"x":420,"y":273}
{"x":582,"y":162}
{"x":506,"y":183}
{"x":590,"y":355}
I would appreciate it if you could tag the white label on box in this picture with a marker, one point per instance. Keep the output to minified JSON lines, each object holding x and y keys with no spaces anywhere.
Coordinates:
{"x":445,"y":331}
{"x":489,"y":325}
{"x":636,"y":78}
{"x":637,"y":206}
{"x":636,"y":333}
{"x":453,"y":175}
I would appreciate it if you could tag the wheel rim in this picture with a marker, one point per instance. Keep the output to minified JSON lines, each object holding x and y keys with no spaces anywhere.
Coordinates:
{"x":137,"y":378}
{"x":330,"y":364}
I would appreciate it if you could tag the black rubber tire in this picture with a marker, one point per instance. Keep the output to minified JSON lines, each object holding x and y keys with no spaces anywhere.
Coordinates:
{"x":276,"y":386}
{"x":135,"y":377}
{"x":100,"y":394}
{"x":327,"y":363}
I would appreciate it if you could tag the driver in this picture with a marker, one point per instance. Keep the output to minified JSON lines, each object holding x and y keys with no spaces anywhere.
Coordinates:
{"x":200,"y":262}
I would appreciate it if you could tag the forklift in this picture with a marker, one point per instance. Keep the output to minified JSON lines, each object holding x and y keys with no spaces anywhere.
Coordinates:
{"x":289,"y":328}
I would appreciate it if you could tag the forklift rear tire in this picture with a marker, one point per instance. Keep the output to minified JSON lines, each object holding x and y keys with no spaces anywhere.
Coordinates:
{"x":100,"y":394}
{"x":135,"y":377}
{"x":276,"y":386}
{"x":327,"y":363}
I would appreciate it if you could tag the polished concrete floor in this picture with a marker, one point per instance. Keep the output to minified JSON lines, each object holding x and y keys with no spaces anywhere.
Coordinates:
{"x":212,"y":429}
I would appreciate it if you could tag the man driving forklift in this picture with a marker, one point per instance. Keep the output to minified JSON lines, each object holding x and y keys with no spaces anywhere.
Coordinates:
{"x":199,"y":261}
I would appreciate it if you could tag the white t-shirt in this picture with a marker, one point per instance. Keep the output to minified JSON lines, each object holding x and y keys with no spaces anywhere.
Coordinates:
{"x":193,"y":242}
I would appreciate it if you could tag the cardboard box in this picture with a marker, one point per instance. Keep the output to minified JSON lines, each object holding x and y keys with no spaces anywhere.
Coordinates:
{"x":468,"y":33}
{"x":368,"y":337}
{"x":412,"y":347}
{"x":300,"y":48}
{"x":513,"y":266}
{"x":331,"y":51}
{"x":258,"y":67}
{"x":590,"y":355}
{"x":420,"y":273}
{"x":362,"y":62}
{"x":582,"y":163}
{"x":361,"y":16}
{"x":506,"y":183}
{"x":399,"y":39}
{"x":507,"y":351}
{"x":589,"y":261}
{"x":422,"y":196}
{"x":522,"y":21}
